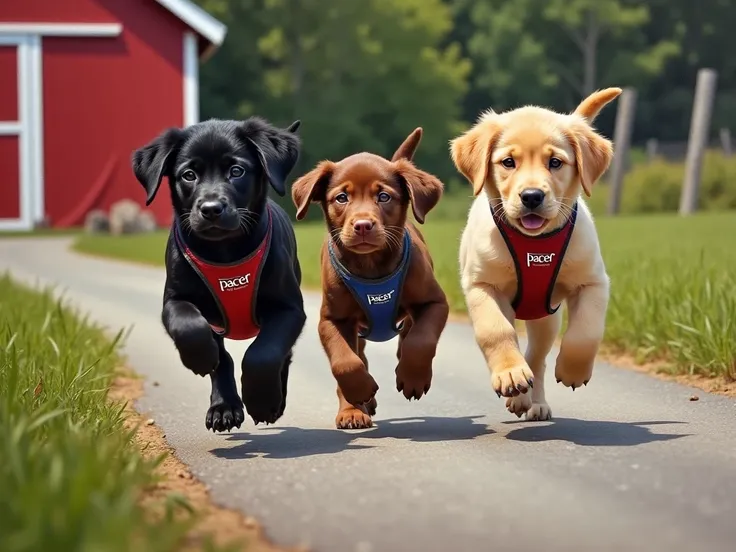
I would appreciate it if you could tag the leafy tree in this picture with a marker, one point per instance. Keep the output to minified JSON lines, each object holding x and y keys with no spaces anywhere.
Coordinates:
{"x":360,"y":75}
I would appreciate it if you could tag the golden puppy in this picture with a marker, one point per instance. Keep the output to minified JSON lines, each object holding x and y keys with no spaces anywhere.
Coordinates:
{"x":530,"y":243}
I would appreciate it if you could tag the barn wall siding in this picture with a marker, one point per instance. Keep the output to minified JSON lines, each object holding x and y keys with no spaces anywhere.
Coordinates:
{"x":102,"y":98}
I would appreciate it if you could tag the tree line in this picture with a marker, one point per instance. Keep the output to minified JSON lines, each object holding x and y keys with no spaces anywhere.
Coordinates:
{"x":362,"y":74}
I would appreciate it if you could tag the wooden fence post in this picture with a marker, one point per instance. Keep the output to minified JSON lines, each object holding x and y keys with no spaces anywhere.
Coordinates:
{"x":621,"y":143}
{"x":705,"y":90}
{"x":726,"y":142}
{"x":652,"y":147}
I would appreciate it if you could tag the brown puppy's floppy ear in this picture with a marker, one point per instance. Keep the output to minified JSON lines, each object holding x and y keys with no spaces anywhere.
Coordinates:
{"x":311,"y":187}
{"x":153,"y":161}
{"x":471,"y":151}
{"x":409,"y":146}
{"x":277,"y":149}
{"x":593,"y":154}
{"x":592,"y":105}
{"x":424,"y":189}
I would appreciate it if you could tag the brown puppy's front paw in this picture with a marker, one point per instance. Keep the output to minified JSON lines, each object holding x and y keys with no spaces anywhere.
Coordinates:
{"x":413,"y":383}
{"x":357,"y":386}
{"x":574,"y":366}
{"x":353,"y":418}
{"x":512,"y":382}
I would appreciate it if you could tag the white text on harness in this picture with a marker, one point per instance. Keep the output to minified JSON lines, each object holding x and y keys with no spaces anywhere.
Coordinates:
{"x":380,"y":298}
{"x":537,"y":259}
{"x":233,"y":284}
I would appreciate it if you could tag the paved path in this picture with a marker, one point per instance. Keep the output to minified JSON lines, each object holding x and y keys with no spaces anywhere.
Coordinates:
{"x":629,"y":463}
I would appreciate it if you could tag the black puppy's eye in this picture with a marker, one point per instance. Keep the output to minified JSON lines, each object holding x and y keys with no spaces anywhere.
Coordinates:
{"x":383,"y":197}
{"x":554,"y":163}
{"x":508,"y":162}
{"x":236,"y":171}
{"x":341,"y":197}
{"x":189,"y":176}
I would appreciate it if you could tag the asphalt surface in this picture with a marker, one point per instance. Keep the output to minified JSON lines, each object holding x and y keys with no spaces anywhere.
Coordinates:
{"x":628,"y":464}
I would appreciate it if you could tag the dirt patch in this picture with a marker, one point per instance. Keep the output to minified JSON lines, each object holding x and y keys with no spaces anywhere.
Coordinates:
{"x":224,"y":526}
{"x":717,"y":385}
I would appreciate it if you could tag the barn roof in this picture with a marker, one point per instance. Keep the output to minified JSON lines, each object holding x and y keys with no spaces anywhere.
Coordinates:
{"x":198,"y":19}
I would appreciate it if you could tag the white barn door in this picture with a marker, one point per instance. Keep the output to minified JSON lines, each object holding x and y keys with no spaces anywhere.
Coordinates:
{"x":21,"y":184}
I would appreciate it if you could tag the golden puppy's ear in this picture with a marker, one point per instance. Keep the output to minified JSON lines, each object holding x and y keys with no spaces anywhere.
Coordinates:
{"x":424,"y":189}
{"x":593,"y":155}
{"x":471,"y":151}
{"x":592,"y":105}
{"x":409,"y":146}
{"x":311,"y":187}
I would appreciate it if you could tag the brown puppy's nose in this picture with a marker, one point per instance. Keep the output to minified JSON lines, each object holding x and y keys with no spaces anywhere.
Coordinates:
{"x":362,"y":227}
{"x":532,"y":198}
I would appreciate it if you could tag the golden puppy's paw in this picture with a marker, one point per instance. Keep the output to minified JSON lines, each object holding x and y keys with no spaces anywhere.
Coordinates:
{"x":519,"y":405}
{"x":539,"y":412}
{"x":353,"y":418}
{"x":513,"y":382}
{"x":574,"y":367}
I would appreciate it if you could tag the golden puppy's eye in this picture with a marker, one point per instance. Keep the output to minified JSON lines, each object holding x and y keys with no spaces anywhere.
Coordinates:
{"x":341,"y":198}
{"x":508,"y":162}
{"x":189,"y":176}
{"x":383,"y":197}
{"x":554,"y":163}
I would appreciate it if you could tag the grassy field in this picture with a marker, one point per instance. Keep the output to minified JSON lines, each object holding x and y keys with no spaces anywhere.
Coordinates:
{"x":673,"y":281}
{"x":70,"y":473}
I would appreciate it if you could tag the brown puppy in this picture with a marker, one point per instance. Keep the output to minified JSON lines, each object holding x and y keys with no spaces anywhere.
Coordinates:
{"x":377,"y":274}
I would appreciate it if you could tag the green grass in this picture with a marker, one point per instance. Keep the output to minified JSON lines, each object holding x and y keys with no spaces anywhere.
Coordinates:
{"x":70,"y":474}
{"x":673,"y":279}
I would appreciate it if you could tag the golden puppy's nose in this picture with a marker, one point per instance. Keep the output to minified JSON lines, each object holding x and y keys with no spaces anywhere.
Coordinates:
{"x":363,"y":226}
{"x":532,"y":198}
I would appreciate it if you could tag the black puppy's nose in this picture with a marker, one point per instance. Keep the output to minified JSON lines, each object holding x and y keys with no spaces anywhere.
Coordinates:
{"x":362,"y":227}
{"x":211,"y":209}
{"x":532,"y":198}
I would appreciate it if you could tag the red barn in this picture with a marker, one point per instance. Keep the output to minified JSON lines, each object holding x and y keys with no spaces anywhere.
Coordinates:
{"x":82,"y":84}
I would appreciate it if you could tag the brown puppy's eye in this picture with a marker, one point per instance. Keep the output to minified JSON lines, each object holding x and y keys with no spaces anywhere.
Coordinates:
{"x":554,"y":163}
{"x":508,"y":162}
{"x":383,"y":197}
{"x":341,"y":198}
{"x":189,"y":176}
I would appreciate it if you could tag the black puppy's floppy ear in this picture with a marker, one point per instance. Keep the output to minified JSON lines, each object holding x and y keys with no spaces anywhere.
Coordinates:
{"x":277,"y":149}
{"x":424,"y":189}
{"x":153,"y":161}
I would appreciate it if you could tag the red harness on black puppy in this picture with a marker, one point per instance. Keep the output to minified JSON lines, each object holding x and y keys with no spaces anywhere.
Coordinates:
{"x":537,"y":260}
{"x":233,"y":286}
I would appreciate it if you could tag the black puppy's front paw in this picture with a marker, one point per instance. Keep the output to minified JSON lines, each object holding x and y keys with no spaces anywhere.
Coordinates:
{"x":224,"y":414}
{"x":262,"y":389}
{"x":197,"y":348}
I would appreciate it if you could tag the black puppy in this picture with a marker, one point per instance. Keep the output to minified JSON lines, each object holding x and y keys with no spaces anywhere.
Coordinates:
{"x":231,"y":259}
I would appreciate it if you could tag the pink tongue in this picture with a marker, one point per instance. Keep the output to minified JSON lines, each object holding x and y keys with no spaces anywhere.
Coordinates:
{"x":532,"y":222}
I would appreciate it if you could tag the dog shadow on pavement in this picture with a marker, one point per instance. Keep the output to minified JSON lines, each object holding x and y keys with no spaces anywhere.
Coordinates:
{"x":593,"y":433}
{"x":294,"y":442}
